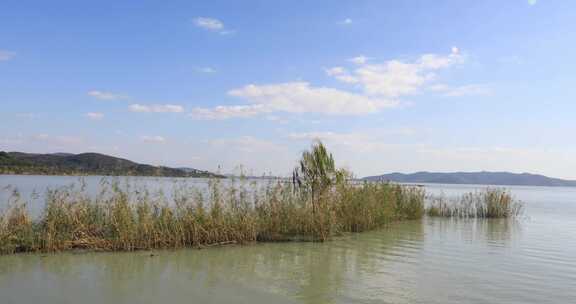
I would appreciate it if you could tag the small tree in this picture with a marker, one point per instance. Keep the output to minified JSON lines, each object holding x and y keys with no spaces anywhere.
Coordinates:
{"x":316,"y":172}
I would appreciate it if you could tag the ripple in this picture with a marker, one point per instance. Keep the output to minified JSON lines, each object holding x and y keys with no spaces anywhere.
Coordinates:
{"x":429,"y":261}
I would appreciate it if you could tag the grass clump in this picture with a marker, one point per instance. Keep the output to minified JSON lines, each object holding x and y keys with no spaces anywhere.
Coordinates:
{"x":226,"y":214}
{"x":489,"y":203}
{"x":373,"y":205}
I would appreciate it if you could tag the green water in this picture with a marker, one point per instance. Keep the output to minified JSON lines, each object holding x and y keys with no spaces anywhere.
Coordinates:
{"x":532,"y":260}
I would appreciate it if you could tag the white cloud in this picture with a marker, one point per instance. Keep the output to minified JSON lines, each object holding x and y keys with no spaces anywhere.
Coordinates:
{"x":359,"y":59}
{"x":102,"y":95}
{"x":94,"y":115}
{"x":156,"y":108}
{"x":381,"y":84}
{"x":532,"y":2}
{"x":225,"y":112}
{"x":211,"y":24}
{"x":205,"y":70}
{"x":396,"y":78}
{"x":152,"y":139}
{"x":465,"y":90}
{"x":295,"y":97}
{"x":341,"y":74}
{"x":300,"y":97}
{"x":335,"y":71}
{"x":346,"y":21}
{"x":6,"y":55}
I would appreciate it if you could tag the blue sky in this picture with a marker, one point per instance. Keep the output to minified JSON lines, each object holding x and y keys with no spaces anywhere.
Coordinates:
{"x":387,"y":85}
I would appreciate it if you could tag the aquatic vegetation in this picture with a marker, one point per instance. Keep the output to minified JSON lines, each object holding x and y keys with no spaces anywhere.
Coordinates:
{"x":490,"y":203}
{"x":373,"y":205}
{"x":124,"y":220}
{"x":319,"y":204}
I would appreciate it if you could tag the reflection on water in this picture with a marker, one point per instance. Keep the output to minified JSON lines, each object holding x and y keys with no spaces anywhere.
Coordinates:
{"x":298,"y":272}
{"x":386,"y":266}
{"x":492,"y":232}
{"x":434,"y":260}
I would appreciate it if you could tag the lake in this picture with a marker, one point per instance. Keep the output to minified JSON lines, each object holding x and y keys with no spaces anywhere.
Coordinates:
{"x":529,"y":260}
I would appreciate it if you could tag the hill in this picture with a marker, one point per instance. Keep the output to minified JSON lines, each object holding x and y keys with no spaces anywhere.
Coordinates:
{"x":86,"y":164}
{"x":480,"y":178}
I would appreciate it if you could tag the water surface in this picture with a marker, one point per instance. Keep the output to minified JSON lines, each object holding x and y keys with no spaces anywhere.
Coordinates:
{"x":532,"y":260}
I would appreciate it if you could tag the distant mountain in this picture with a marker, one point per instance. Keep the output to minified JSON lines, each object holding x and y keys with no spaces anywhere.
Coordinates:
{"x":480,"y":178}
{"x":86,"y":164}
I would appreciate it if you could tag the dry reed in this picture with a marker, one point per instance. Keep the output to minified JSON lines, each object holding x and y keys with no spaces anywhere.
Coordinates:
{"x":489,"y":203}
{"x":123,"y":219}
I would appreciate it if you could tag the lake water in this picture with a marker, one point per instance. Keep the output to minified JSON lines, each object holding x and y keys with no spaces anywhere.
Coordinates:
{"x":531,"y":260}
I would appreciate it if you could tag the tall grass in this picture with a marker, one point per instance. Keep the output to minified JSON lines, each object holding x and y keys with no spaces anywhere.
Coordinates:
{"x":489,"y":203}
{"x":319,"y":203}
{"x":120,"y":219}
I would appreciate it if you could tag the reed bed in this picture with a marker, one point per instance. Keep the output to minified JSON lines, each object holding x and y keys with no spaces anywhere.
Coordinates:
{"x":319,"y":203}
{"x":489,"y":203}
{"x":125,"y":219}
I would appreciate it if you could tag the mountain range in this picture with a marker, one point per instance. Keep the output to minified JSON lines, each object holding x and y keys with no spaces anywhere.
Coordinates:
{"x":86,"y":164}
{"x":101,"y":164}
{"x":479,"y":178}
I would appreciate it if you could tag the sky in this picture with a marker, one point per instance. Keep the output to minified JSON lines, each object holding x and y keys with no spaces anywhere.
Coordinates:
{"x":388,"y":86}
